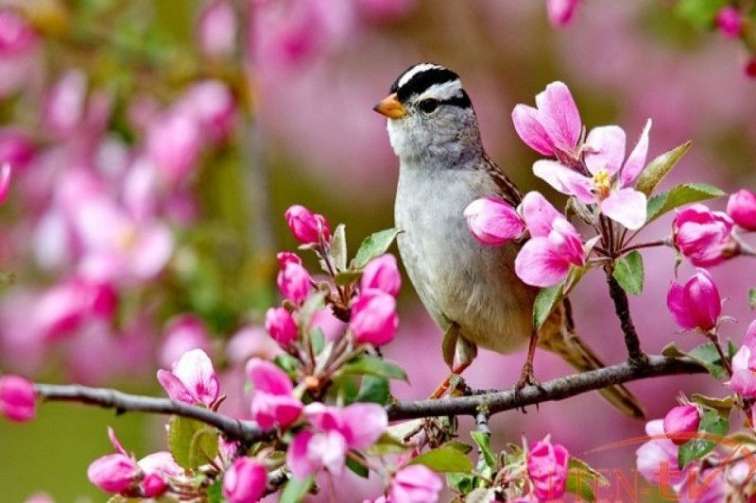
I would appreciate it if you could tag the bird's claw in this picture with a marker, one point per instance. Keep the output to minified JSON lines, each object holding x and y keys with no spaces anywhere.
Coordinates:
{"x":527,"y":378}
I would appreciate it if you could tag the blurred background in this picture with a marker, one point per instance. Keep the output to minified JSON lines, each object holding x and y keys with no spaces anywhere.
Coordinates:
{"x":156,"y":143}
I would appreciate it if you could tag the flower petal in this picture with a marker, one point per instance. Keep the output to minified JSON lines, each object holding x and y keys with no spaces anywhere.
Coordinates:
{"x":559,"y":116}
{"x":636,"y":161}
{"x":565,"y":180}
{"x":297,"y":460}
{"x":540,"y":264}
{"x":365,"y":423}
{"x":678,"y":307}
{"x":268,"y":378}
{"x":174,"y":387}
{"x":626,"y":206}
{"x":528,"y":126}
{"x":538,"y":213}
{"x":606,"y":149}
{"x":195,"y":370}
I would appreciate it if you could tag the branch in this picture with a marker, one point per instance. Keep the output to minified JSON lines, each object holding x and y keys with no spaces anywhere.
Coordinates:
{"x":493,"y":402}
{"x":556,"y":389}
{"x":622,"y":308}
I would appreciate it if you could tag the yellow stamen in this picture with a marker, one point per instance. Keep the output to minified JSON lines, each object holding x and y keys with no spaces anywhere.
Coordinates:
{"x":602,"y":183}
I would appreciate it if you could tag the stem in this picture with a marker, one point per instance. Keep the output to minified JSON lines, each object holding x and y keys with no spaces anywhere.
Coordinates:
{"x":712,"y":336}
{"x":622,"y":309}
{"x":650,"y":244}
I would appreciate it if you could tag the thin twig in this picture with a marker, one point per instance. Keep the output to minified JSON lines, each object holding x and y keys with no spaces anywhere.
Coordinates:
{"x":622,"y":308}
{"x":650,"y":244}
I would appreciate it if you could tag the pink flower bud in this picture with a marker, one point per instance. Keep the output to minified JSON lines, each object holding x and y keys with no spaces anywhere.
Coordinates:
{"x":16,"y":35}
{"x":704,"y":236}
{"x":374,"y":319}
{"x":656,"y":460}
{"x":245,"y":481}
{"x":16,"y":148}
{"x":5,"y":180}
{"x":294,"y":282}
{"x":273,"y":402}
{"x":492,"y":221}
{"x":696,"y":304}
{"x":307,"y":226}
{"x":114,"y":473}
{"x":561,"y":12}
{"x":742,"y":208}
{"x":192,"y":379}
{"x":212,"y":106}
{"x":547,"y":467}
{"x":157,"y":467}
{"x":382,"y":273}
{"x":681,"y":423}
{"x":17,"y":400}
{"x":281,"y":326}
{"x":285,"y":257}
{"x":415,"y":483}
{"x":217,"y":29}
{"x":729,"y":22}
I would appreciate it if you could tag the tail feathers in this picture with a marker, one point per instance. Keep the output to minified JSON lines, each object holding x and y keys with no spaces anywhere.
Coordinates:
{"x":560,"y":338}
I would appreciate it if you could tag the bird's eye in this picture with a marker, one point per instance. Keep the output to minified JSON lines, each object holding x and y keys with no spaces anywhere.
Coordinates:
{"x":428,"y":105}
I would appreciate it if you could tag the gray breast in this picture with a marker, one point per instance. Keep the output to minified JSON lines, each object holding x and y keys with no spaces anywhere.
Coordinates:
{"x":458,"y":279}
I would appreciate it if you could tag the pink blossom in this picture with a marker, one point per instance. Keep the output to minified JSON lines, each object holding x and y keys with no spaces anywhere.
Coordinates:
{"x":17,"y":399}
{"x":681,"y":423}
{"x":699,"y":486}
{"x":174,"y":141}
{"x":553,"y":248}
{"x":212,"y":106}
{"x":374,"y":319}
{"x":192,"y":379}
{"x":696,"y":304}
{"x":415,"y":484}
{"x":5,"y":180}
{"x":307,"y":227}
{"x":250,"y":341}
{"x":183,"y":333}
{"x":157,"y":468}
{"x":743,"y":380}
{"x":217,"y":29}
{"x":383,"y":274}
{"x":114,"y":473}
{"x":286,"y":257}
{"x":742,"y":209}
{"x":273,"y":402}
{"x":18,"y":51}
{"x":245,"y":481}
{"x":561,"y":12}
{"x":493,"y":221}
{"x":281,"y":326}
{"x":324,"y":320}
{"x":64,"y":108}
{"x":704,"y":236}
{"x":547,"y":468}
{"x":729,"y":22}
{"x":610,"y":181}
{"x":656,"y":459}
{"x":336,"y":431}
{"x":554,"y":127}
{"x":16,"y":148}
{"x":294,"y":282}
{"x":16,"y":35}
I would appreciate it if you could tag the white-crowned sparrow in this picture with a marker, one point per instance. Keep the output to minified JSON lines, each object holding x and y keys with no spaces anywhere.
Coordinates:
{"x":470,"y":290}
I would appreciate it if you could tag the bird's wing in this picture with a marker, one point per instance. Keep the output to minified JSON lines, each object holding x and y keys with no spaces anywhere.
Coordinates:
{"x":507,"y":189}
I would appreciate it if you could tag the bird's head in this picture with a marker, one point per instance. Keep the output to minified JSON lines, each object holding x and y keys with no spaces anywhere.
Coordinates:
{"x":429,"y":113}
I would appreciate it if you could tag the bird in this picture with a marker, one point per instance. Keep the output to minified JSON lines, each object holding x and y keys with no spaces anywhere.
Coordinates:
{"x":471,"y":291}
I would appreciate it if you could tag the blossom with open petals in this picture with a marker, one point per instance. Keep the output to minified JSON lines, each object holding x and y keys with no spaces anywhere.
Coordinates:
{"x":192,"y":379}
{"x":415,"y":484}
{"x":273,"y":402}
{"x":656,"y":460}
{"x":743,"y":379}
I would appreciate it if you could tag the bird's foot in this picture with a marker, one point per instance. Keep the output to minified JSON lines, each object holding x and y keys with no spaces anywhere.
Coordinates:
{"x":527,"y":378}
{"x":454,"y":381}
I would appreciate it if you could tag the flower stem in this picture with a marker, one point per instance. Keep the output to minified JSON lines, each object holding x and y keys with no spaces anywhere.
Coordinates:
{"x":712,"y":336}
{"x":622,"y":309}
{"x":650,"y":244}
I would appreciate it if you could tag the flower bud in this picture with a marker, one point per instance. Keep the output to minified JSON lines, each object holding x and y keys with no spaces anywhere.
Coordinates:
{"x":294,"y":282}
{"x":704,"y":236}
{"x":5,"y":181}
{"x":114,"y":473}
{"x":285,"y":257}
{"x":306,"y":226}
{"x":493,"y":221}
{"x":16,"y":148}
{"x":382,"y":273}
{"x":374,"y":320}
{"x":547,"y":467}
{"x":681,"y":423}
{"x":415,"y":483}
{"x":273,"y":402}
{"x":742,"y":208}
{"x":280,"y":325}
{"x":729,"y":22}
{"x":696,"y":304}
{"x":17,"y":400}
{"x":217,"y":29}
{"x":245,"y":481}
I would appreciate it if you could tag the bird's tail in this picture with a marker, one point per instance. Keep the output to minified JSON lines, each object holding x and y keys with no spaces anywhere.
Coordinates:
{"x":558,"y":336}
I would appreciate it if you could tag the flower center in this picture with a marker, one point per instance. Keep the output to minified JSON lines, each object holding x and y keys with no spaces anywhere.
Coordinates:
{"x":127,"y":238}
{"x":602,"y":183}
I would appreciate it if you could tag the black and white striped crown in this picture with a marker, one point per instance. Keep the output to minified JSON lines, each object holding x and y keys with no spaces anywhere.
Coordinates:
{"x":432,"y":80}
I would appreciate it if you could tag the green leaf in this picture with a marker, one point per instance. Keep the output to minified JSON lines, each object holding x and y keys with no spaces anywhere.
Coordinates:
{"x":287,"y":363}
{"x":713,"y":428}
{"x":444,"y":459}
{"x":707,"y":355}
{"x":752,"y":298}
{"x":723,"y":405}
{"x":481,"y":495}
{"x":582,"y":478}
{"x":463,"y":483}
{"x":295,"y":490}
{"x":339,"y":247}
{"x":678,"y":196}
{"x":374,"y":245}
{"x":387,"y":444}
{"x":672,"y":351}
{"x":545,"y":302}
{"x":374,"y":389}
{"x":460,"y":446}
{"x":347,"y":277}
{"x":657,"y":169}
{"x":483,"y":441}
{"x":215,"y":492}
{"x":191,"y":442}
{"x":357,"y":466}
{"x":371,"y":365}
{"x":628,"y":271}
{"x":318,"y":340}
{"x":700,"y":13}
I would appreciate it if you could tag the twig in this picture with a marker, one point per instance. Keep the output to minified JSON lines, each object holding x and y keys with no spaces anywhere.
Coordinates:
{"x":622,"y":308}
{"x":650,"y":244}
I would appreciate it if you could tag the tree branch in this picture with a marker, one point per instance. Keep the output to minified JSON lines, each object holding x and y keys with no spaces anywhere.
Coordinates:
{"x":622,"y":308}
{"x":493,"y":401}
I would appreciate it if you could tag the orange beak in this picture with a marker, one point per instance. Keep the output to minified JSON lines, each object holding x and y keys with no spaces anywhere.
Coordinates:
{"x":391,"y":107}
